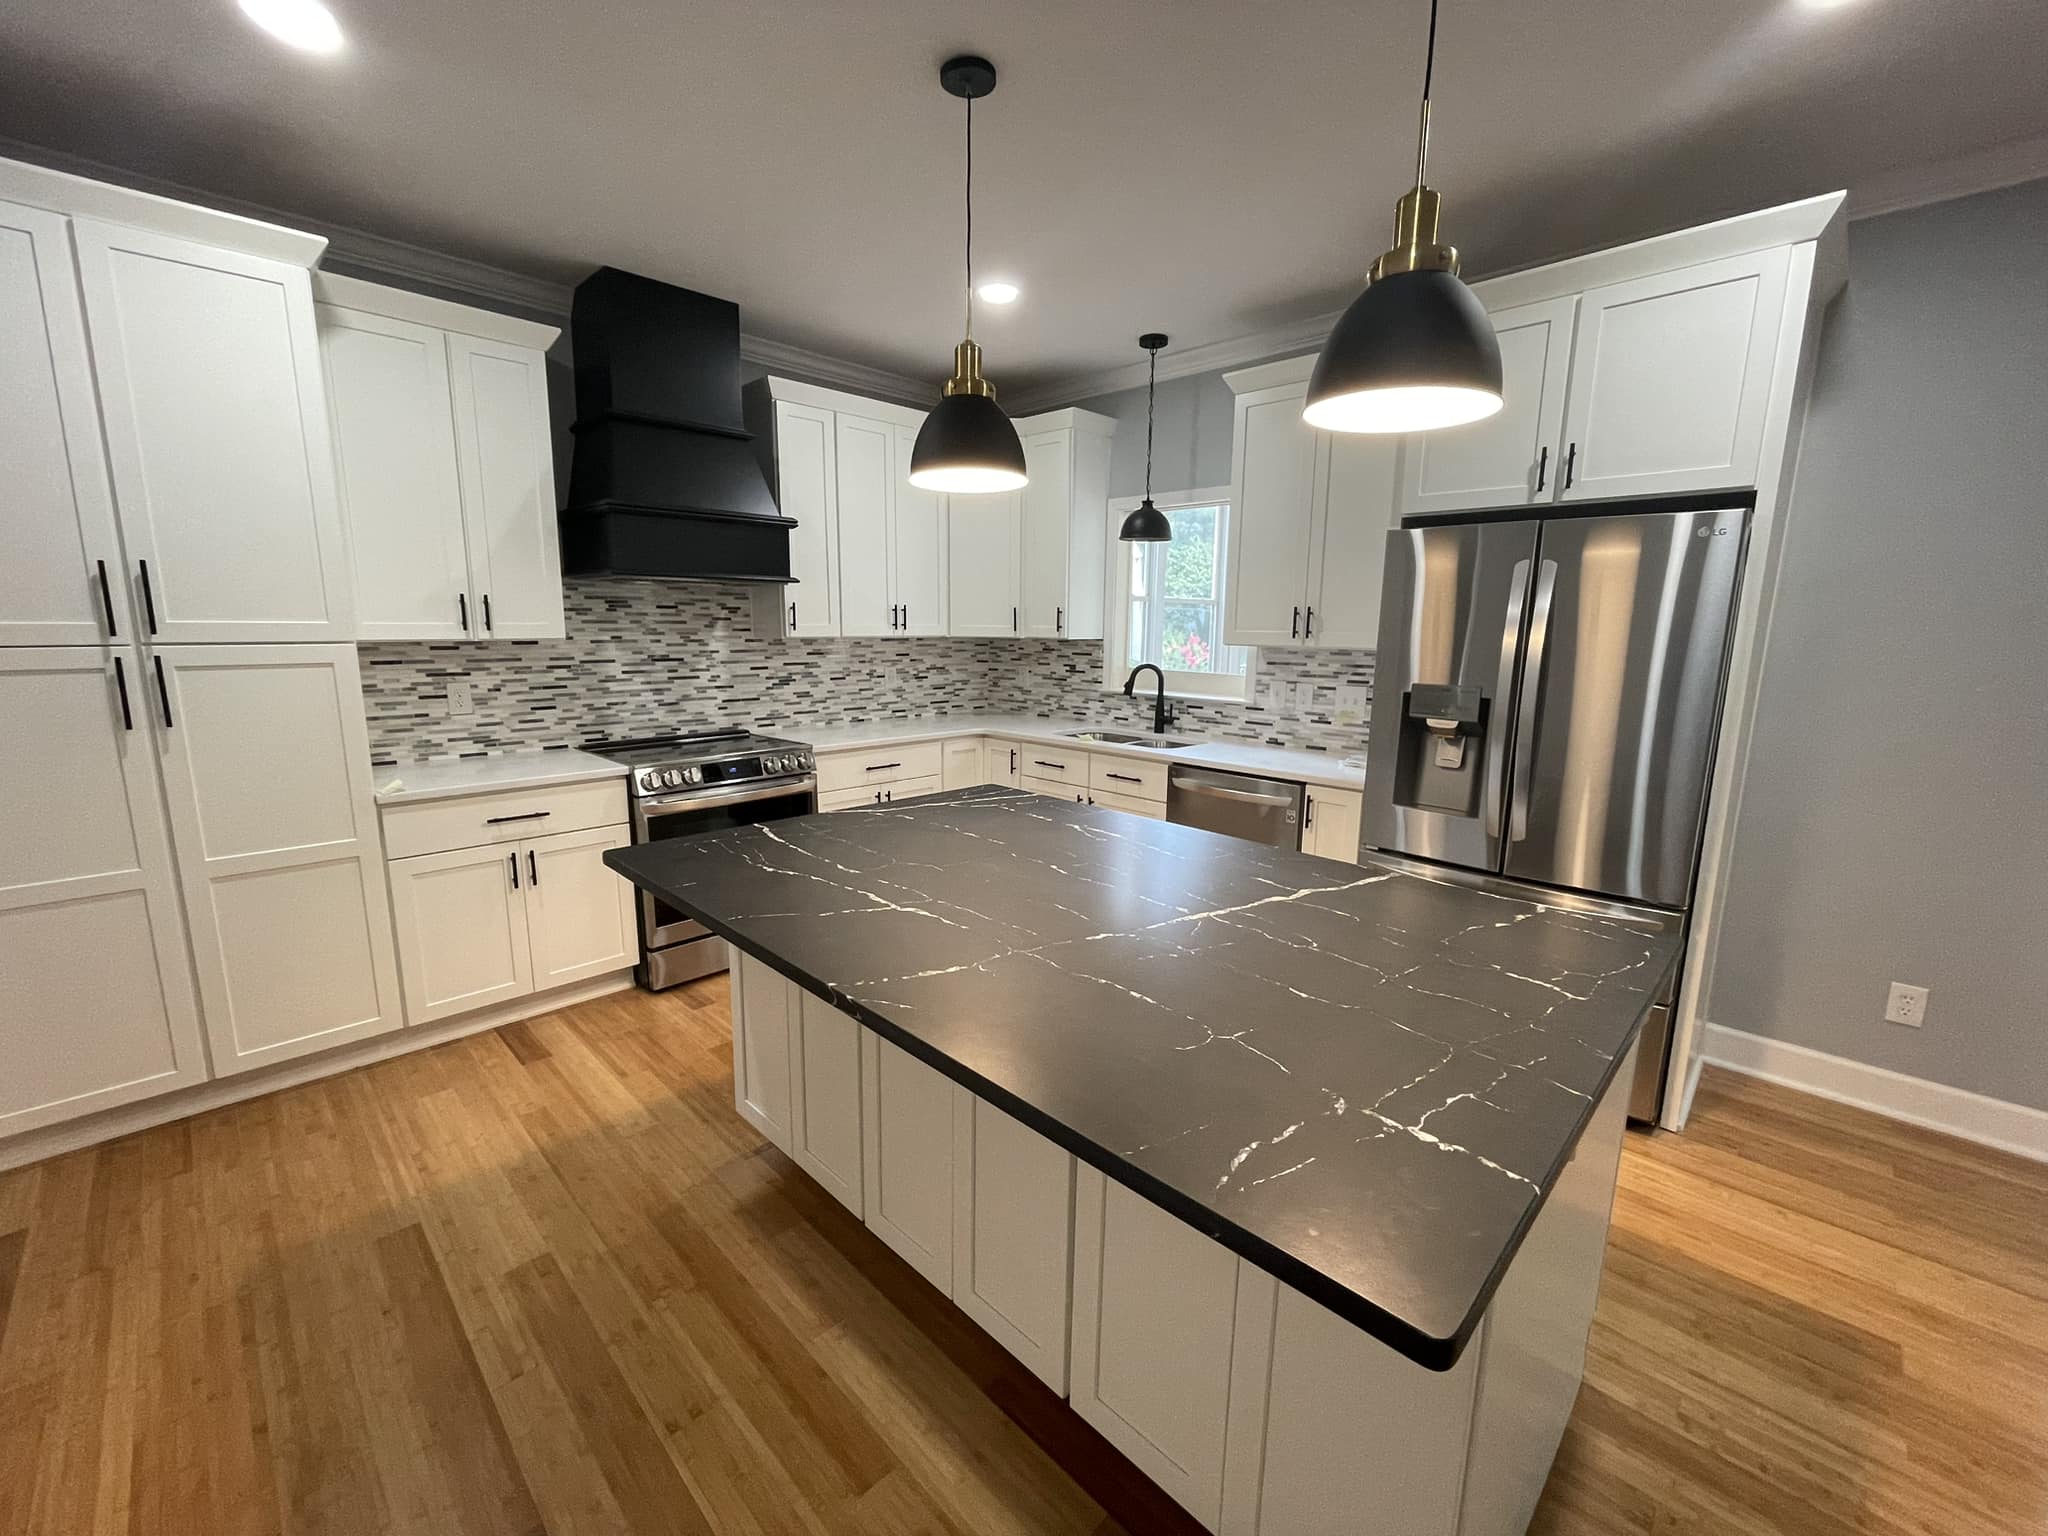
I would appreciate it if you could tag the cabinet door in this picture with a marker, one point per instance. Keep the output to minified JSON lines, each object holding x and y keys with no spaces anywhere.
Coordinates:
{"x":806,"y":488}
{"x":965,"y":763}
{"x":1111,"y":800}
{"x":981,"y":562}
{"x":1272,"y":476}
{"x":1013,"y":1236}
{"x":56,"y":510}
{"x":579,"y":914}
{"x":1047,"y":509}
{"x":1088,"y":540}
{"x":1154,"y":1313}
{"x":825,"y":1109}
{"x":508,"y":488}
{"x":96,"y":1002}
{"x":462,"y":938}
{"x":917,"y":545}
{"x":1005,"y":763}
{"x":216,"y":427}
{"x":394,"y":459}
{"x":907,"y":1118}
{"x":266,"y":772}
{"x":864,"y":451}
{"x":764,"y":1010}
{"x":1513,"y":456}
{"x":1671,"y":376}
{"x":1332,"y":829}
{"x":1355,"y":478}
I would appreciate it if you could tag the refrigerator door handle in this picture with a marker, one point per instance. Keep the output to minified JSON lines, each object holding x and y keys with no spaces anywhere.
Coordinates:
{"x":1532,"y":696}
{"x":1503,"y":691}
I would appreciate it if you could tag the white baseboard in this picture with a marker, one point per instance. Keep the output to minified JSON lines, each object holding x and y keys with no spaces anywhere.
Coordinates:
{"x":70,"y":1135}
{"x":2017,"y":1128}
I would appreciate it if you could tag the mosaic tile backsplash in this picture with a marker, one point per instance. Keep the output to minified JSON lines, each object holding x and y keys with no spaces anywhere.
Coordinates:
{"x":648,"y":656}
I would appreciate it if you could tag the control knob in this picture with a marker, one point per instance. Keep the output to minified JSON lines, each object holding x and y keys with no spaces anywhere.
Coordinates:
{"x":670,"y":777}
{"x":691,"y":775}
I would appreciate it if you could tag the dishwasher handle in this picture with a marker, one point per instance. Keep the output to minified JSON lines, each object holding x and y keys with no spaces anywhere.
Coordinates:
{"x":1225,"y":792}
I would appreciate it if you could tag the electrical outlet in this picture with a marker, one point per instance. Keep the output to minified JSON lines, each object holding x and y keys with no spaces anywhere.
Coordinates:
{"x":1352,"y":706}
{"x":1280,"y":697}
{"x":1906,"y":1005}
{"x":461,"y":697}
{"x":1307,"y":698}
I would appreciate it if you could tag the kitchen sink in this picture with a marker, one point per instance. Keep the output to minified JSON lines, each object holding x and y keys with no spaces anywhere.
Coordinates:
{"x":1126,"y":739}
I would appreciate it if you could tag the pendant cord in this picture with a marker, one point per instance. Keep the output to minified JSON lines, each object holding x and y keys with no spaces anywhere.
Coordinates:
{"x":1428,"y":77}
{"x":1151,"y":384}
{"x":970,"y":216}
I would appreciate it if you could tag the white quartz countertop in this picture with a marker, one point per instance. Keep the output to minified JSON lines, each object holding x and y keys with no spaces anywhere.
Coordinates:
{"x":1237,"y":756}
{"x":481,"y":775}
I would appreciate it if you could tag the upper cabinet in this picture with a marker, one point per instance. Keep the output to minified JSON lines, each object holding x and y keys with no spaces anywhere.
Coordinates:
{"x":983,"y":593}
{"x":1647,"y":387}
{"x":1064,"y":529}
{"x":1308,"y":519}
{"x":445,"y":464}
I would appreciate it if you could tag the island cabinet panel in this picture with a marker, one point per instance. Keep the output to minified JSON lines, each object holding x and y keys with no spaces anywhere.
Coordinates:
{"x":764,"y":1021}
{"x":1331,"y":828}
{"x":1155,"y":1307}
{"x":1332,"y":1433}
{"x":1013,"y":1236}
{"x":825,"y":1100}
{"x":907,"y":1112}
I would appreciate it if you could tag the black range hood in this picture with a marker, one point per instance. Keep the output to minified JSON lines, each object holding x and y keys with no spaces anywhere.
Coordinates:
{"x":665,"y":481}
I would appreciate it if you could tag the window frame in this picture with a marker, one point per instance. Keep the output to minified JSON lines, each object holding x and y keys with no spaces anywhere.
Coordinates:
{"x":1225,"y":687}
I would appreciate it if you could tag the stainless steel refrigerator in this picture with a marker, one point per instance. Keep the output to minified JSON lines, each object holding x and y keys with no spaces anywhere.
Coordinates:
{"x":1545,"y":703}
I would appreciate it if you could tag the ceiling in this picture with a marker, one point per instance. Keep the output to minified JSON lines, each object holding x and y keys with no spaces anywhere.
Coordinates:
{"x":1208,"y":168}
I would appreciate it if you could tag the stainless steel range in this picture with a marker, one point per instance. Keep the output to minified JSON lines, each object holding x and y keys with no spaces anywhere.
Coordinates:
{"x":685,"y":784}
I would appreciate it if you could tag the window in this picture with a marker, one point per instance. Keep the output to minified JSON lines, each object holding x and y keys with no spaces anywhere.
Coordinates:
{"x":1170,"y":608}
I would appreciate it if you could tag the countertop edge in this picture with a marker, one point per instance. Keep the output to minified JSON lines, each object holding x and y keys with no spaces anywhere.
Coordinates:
{"x":1433,"y":1352}
{"x":577,"y":768}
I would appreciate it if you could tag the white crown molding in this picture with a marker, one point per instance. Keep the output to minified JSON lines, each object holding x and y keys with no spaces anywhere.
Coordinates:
{"x":1209,"y":357}
{"x":1983,"y":170}
{"x":835,"y":373}
{"x":2017,"y":1128}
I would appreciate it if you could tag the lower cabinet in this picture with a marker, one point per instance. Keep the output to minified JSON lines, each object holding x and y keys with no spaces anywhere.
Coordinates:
{"x":907,"y":1112}
{"x":825,"y":1134}
{"x":764,"y":1009}
{"x":1331,"y":820}
{"x":1013,"y":1235}
{"x":965,"y":759}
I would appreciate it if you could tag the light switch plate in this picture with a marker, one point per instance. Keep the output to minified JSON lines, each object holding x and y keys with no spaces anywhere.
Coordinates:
{"x":1313,"y":701}
{"x":1280,"y":697}
{"x":461,"y":697}
{"x":1353,"y":705}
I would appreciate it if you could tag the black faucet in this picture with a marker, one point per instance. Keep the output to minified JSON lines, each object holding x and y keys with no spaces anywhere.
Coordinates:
{"x":1162,"y":717}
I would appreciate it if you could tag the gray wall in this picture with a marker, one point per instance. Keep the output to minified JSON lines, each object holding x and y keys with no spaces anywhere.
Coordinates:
{"x":1895,"y":817}
{"x":1191,"y":435}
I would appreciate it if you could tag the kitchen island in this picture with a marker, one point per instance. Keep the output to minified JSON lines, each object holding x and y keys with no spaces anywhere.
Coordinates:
{"x":1295,"y":1179}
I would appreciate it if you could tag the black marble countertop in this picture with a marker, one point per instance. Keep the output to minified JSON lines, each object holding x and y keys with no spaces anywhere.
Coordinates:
{"x":1363,"y":1080}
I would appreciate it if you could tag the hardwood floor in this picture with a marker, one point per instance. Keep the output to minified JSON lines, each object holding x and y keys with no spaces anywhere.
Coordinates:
{"x":545,"y":1280}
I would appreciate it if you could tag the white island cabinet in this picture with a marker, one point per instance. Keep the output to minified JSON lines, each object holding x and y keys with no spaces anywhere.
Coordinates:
{"x":1257,"y":1409}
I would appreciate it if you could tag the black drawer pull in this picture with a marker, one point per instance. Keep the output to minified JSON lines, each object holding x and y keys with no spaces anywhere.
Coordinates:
{"x":1571,"y":463}
{"x":163,"y":693}
{"x":148,"y":596}
{"x":492,"y":821}
{"x":1122,"y":778}
{"x":513,"y":859}
{"x":121,"y":682}
{"x":107,"y":601}
{"x":532,"y":870}
{"x":881,"y":767}
{"x":487,"y":613}
{"x":462,"y":610}
{"x":1542,"y":467}
{"x":1039,"y":762}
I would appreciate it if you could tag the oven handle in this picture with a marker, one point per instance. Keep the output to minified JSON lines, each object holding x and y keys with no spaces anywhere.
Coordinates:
{"x":738,"y":794}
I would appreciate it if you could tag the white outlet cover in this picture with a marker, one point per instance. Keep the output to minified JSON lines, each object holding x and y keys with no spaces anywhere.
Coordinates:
{"x":1352,"y":706}
{"x":461,"y":698}
{"x":1906,"y":1005}
{"x":1280,"y":697}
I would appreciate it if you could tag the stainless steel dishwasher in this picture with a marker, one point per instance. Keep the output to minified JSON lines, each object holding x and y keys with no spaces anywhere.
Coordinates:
{"x":1235,"y":804}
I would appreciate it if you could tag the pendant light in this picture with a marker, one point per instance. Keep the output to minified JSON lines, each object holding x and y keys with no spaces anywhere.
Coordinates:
{"x":967,"y":445}
{"x":1148,"y":525}
{"x":1415,"y":351}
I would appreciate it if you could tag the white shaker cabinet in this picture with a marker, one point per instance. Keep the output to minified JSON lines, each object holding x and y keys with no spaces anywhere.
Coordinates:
{"x":891,"y":534}
{"x":804,"y":473}
{"x":1671,"y":379}
{"x":579,"y":913}
{"x":462,"y":937}
{"x":216,"y":427}
{"x":445,"y":465}
{"x":917,"y":548}
{"x":62,"y":581}
{"x":965,"y":762}
{"x":907,"y":1121}
{"x":1063,"y":525}
{"x":764,"y":1024}
{"x":1514,"y":456}
{"x":825,"y":1135}
{"x":266,"y":772}
{"x":96,"y":999}
{"x":1354,"y":487}
{"x":1330,"y":823}
{"x":1013,"y":1235}
{"x":982,"y":591}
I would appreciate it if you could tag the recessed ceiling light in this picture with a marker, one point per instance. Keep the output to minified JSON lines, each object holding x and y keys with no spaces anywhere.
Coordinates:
{"x":1826,"y":5}
{"x":998,"y":293}
{"x":304,"y":24}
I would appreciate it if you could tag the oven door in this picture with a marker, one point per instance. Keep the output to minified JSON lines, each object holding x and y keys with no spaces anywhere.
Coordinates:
{"x":709,"y":810}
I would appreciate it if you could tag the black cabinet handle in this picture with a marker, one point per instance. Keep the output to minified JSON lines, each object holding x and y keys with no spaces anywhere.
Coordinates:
{"x":1308,"y":810}
{"x":878,"y":797}
{"x":1308,"y":629}
{"x":532,"y":870}
{"x":121,"y":683}
{"x":1059,"y":621}
{"x":148,"y":596}
{"x":1039,"y":762}
{"x":889,"y":796}
{"x":1294,"y":629}
{"x":879,"y":767}
{"x":513,"y":859}
{"x":792,"y":615}
{"x":462,"y":610}
{"x":1013,"y":621}
{"x":492,"y":821}
{"x":163,"y":693}
{"x":1571,"y":461}
{"x":107,"y":601}
{"x":1542,"y":467}
{"x":487,"y":613}
{"x":1122,"y":778}
{"x":906,"y":615}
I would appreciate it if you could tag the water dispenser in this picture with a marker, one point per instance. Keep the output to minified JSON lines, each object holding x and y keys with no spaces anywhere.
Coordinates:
{"x":1442,"y":748}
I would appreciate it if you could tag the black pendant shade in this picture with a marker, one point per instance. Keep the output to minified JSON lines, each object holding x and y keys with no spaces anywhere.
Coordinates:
{"x":1147,"y":524}
{"x":967,"y":446}
{"x":1414,"y":351}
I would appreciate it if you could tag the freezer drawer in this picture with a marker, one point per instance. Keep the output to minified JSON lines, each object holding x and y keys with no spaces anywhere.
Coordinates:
{"x":1235,"y":804}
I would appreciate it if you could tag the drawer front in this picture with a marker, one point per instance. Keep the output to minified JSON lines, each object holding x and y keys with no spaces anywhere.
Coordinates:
{"x":1053,"y":787}
{"x":877,"y":765}
{"x":1135,"y":777}
{"x":909,"y":789}
{"x":1059,"y":764}
{"x":1155,"y":809}
{"x":505,"y":816}
{"x":878,"y":794}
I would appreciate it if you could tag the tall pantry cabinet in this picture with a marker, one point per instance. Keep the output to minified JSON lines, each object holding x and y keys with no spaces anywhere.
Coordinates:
{"x":190,"y":878}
